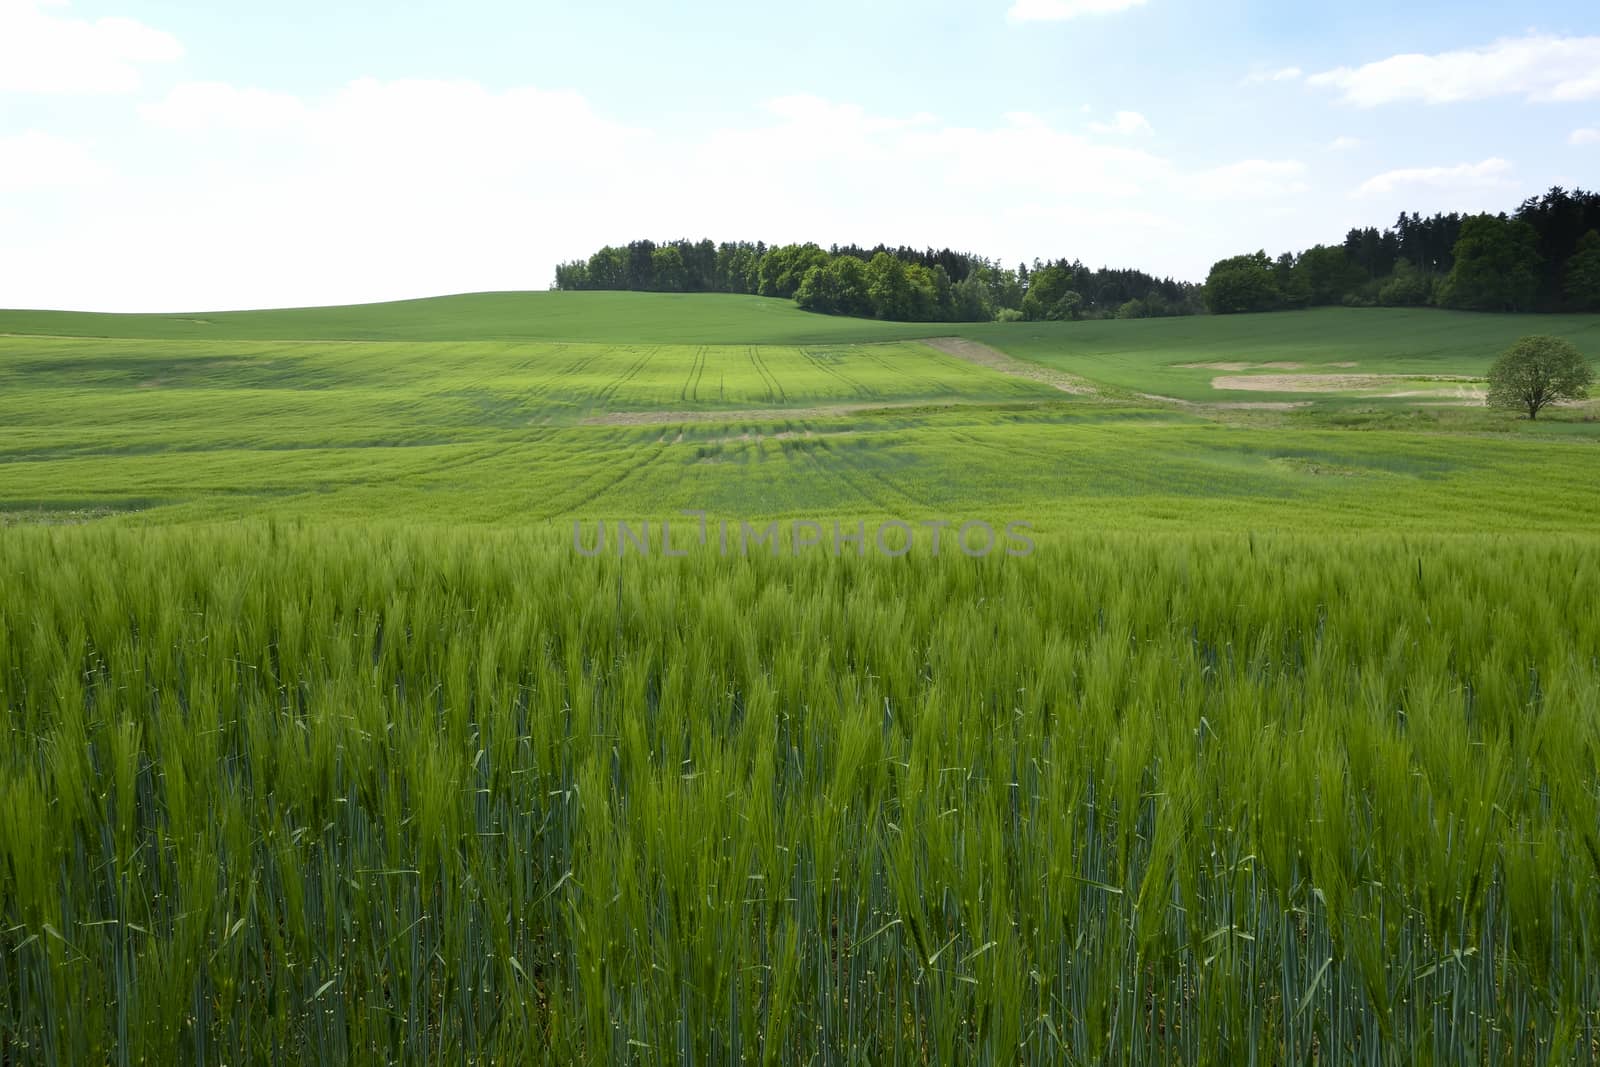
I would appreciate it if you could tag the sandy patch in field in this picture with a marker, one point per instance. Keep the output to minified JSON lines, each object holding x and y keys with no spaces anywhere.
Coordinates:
{"x":1323,"y":383}
{"x":1236,"y":367}
{"x":996,"y":360}
{"x":1460,"y":394}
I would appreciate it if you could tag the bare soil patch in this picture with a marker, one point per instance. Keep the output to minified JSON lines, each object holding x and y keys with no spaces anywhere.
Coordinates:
{"x":1237,"y":367}
{"x":1460,"y":394}
{"x":996,"y":360}
{"x":1321,"y":383}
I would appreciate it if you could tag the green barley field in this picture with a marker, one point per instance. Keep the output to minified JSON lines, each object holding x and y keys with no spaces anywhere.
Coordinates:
{"x":328,"y":742}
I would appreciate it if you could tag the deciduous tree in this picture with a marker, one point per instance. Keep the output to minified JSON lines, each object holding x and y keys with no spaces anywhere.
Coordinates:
{"x":1497,"y":266}
{"x":784,"y":268}
{"x":888,"y":287}
{"x":1408,"y":287}
{"x":1241,"y":284}
{"x":1538,"y":371}
{"x":1583,"y":274}
{"x":670,"y":274}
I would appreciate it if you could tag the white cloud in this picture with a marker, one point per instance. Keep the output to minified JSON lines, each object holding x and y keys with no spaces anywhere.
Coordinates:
{"x":391,"y":189}
{"x":1059,"y":10}
{"x":1028,"y":154}
{"x":212,"y":105}
{"x":379,"y":190}
{"x":1537,"y":67}
{"x":45,"y":53}
{"x":1344,"y":144}
{"x":823,"y":161}
{"x":1251,"y":179}
{"x":1283,"y":74}
{"x":1489,"y":174}
{"x":1590,"y":135}
{"x":829,"y":129}
{"x":417,"y":126}
{"x":1126,"y":122}
{"x":34,"y":160}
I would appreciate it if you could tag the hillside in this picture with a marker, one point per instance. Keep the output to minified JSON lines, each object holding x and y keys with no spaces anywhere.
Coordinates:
{"x":327,"y":665}
{"x":620,"y":318}
{"x":1182,"y":357}
{"x":534,"y":407}
{"x":1366,"y":354}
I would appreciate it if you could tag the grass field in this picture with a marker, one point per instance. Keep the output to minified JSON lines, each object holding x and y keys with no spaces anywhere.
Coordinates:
{"x":1182,"y":357}
{"x":332,"y":794}
{"x":1167,"y":357}
{"x":325,"y":745}
{"x":492,"y":385}
{"x":601,"y":317}
{"x":494,"y":431}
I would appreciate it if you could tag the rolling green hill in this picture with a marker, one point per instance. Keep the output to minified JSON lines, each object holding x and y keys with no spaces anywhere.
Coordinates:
{"x":323,"y":738}
{"x":225,"y":422}
{"x":1374,"y":352}
{"x":1181,"y":357}
{"x":613,"y":318}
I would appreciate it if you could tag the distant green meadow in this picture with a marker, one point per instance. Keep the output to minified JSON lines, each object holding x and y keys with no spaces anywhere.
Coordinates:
{"x":1171,"y":356}
{"x":327,"y":744}
{"x":458,"y":424}
{"x":608,"y":318}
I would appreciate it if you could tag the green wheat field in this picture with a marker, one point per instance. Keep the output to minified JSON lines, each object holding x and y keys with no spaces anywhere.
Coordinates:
{"x":326,"y":743}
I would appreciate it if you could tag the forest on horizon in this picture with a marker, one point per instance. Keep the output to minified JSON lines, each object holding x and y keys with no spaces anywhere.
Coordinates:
{"x":1545,"y":256}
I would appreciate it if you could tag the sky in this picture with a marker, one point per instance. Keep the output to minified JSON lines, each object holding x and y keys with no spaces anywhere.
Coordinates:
{"x":180,"y":156}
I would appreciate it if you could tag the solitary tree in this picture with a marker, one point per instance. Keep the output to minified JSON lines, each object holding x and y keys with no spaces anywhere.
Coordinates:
{"x":1537,"y":371}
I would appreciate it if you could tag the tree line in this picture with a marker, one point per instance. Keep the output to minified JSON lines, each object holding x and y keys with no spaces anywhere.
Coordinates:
{"x":1543,"y":257}
{"x":898,"y":283}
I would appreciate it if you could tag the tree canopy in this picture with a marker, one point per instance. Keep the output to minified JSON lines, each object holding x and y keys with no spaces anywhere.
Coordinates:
{"x":1582,"y":286}
{"x":1496,"y":268}
{"x":1241,"y":284}
{"x":1543,"y":257}
{"x":906,"y":284}
{"x":1539,"y":258}
{"x":1537,"y":372}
